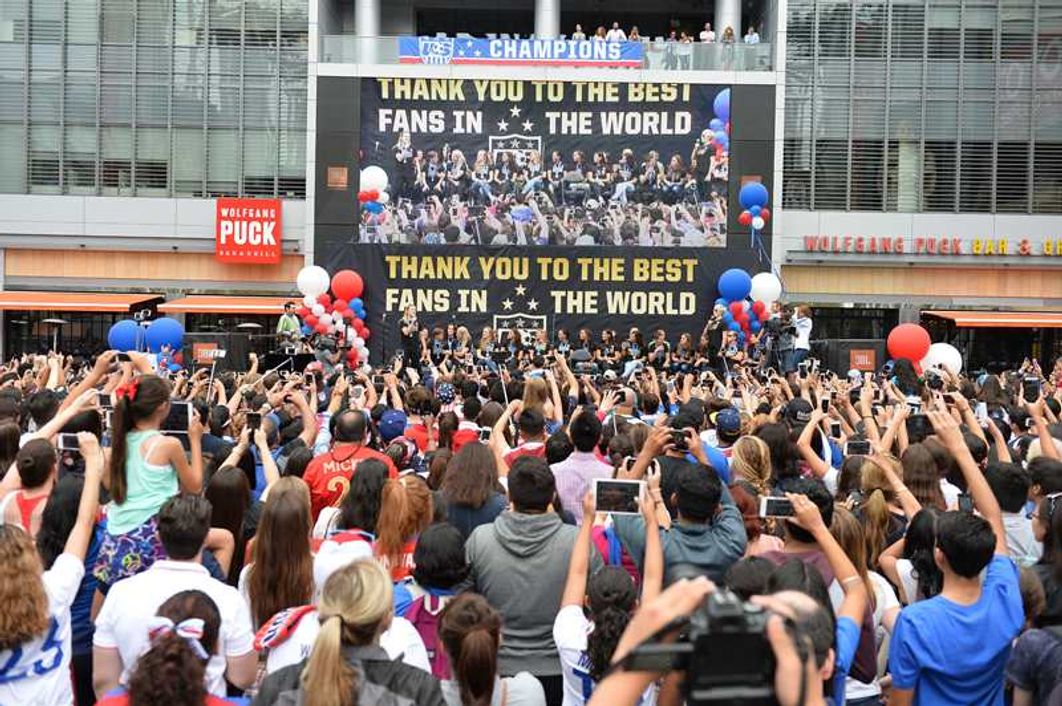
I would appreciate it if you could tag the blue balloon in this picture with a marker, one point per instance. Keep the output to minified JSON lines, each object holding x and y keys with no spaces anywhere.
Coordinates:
{"x":174,"y":368}
{"x":753,"y":194}
{"x":374,"y":207}
{"x":755,"y":211}
{"x":734,"y":284}
{"x":357,"y":303}
{"x":306,"y":330}
{"x":123,"y":335}
{"x":715,"y":125}
{"x":164,"y":332}
{"x":741,"y":338}
{"x":734,"y":326}
{"x":755,"y":326}
{"x":721,"y":302}
{"x":728,"y":317}
{"x":721,"y":105}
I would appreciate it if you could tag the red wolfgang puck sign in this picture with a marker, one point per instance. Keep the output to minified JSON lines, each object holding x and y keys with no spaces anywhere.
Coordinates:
{"x":247,"y":230}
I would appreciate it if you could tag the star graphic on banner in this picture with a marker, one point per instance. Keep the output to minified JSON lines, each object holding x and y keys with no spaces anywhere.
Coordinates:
{"x":469,"y":44}
{"x":519,"y":323}
{"x":532,"y":304}
{"x":507,"y":305}
{"x":515,"y":143}
{"x":528,"y":125}
{"x":520,"y":290}
{"x":503,"y":126}
{"x":478,"y":52}
{"x":514,"y":111}
{"x":460,"y":52}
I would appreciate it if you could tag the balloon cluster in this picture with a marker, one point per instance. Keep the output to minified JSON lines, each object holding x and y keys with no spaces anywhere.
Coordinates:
{"x":754,"y":198}
{"x":720,"y":124}
{"x":341,"y":314}
{"x":911,"y":341}
{"x":373,"y":195}
{"x":127,"y":335}
{"x":747,"y":300}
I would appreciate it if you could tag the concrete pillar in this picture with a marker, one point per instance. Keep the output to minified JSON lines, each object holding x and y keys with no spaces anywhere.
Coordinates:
{"x":728,"y":14}
{"x":547,"y":18}
{"x":367,"y":29}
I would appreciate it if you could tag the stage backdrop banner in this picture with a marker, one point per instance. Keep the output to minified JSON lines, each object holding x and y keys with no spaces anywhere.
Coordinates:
{"x":534,"y":288}
{"x":518,"y":52}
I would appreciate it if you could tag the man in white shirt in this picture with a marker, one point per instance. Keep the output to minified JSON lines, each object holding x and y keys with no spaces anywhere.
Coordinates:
{"x":615,"y":34}
{"x":752,"y":36}
{"x":803,"y":324}
{"x":707,"y":35}
{"x":1010,"y":485}
{"x":121,"y":626}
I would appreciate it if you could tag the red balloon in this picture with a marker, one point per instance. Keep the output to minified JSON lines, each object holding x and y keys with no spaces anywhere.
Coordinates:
{"x":742,"y":318}
{"x":357,"y":323}
{"x":745,"y":218}
{"x":366,"y":334}
{"x":765,"y":214}
{"x":736,"y":309}
{"x":324,"y":300}
{"x":909,"y":341}
{"x":764,"y":315}
{"x":340,"y":305}
{"x":347,"y":313}
{"x":347,"y":284}
{"x":310,"y":320}
{"x":373,"y":194}
{"x":352,"y":356}
{"x":320,"y":328}
{"x":302,"y":312}
{"x":758,"y":307}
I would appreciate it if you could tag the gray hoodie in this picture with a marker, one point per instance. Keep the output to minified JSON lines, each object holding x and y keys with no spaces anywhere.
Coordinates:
{"x":520,"y":565}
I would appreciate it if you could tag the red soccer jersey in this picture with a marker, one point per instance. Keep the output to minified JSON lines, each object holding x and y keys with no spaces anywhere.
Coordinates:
{"x":329,"y":474}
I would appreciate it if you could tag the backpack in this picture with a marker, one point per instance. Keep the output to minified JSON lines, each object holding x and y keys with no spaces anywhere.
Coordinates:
{"x":424,"y":613}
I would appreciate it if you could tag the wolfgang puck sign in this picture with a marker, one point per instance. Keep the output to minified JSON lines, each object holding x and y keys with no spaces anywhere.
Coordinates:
{"x":247,"y":230}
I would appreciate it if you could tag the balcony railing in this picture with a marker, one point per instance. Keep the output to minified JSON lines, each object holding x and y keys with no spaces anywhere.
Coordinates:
{"x":659,"y":54}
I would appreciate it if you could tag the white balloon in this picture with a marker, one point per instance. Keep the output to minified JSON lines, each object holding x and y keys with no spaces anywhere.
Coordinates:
{"x":766,"y":288}
{"x":318,"y":310}
{"x":944,"y":355}
{"x":309,"y":301}
{"x":758,"y":223}
{"x":313,"y":280}
{"x":351,"y":333}
{"x":324,"y":318}
{"x":357,"y":341}
{"x":373,"y":178}
{"x":383,"y":197}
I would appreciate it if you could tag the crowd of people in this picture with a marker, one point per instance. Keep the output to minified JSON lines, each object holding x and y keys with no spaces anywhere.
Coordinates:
{"x":520,"y":197}
{"x":706,"y":36}
{"x":426,"y":530}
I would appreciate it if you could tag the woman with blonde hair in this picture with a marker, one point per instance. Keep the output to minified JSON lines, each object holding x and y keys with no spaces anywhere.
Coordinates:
{"x":347,"y":665}
{"x":848,"y":532}
{"x":888,"y":504}
{"x":751,"y":462}
{"x":280,"y":574}
{"x":406,"y":510}
{"x":35,"y":636}
{"x":543,"y":396}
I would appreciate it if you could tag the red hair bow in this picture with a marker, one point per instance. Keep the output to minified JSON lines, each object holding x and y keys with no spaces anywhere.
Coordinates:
{"x":128,"y":390}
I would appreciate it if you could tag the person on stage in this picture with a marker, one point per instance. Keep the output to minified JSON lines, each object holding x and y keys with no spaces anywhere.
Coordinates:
{"x":288,"y":327}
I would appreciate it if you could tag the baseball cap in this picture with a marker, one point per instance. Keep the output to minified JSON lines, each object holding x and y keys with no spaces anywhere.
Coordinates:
{"x":727,"y":421}
{"x":445,"y":392}
{"x":610,"y":375}
{"x":798,"y":411}
{"x":855,"y":376}
{"x":392,"y":424}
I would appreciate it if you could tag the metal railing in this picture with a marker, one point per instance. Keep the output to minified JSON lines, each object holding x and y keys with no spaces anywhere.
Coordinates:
{"x":660,"y":54}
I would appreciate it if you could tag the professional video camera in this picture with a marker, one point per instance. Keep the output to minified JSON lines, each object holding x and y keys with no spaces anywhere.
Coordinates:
{"x":724,"y":653}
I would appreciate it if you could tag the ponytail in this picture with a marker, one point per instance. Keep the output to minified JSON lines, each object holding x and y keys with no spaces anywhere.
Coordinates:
{"x":169,"y":673}
{"x":328,"y":679}
{"x":470,"y":630}
{"x":121,"y":423}
{"x":876,"y":517}
{"x":612,"y":597}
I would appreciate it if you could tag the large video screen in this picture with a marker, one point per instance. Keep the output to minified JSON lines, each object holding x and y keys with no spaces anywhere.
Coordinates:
{"x":547,"y":163}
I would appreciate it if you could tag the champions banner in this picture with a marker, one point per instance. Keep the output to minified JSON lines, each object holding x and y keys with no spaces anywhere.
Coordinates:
{"x":519,"y":52}
{"x":534,"y":288}
{"x":510,"y":162}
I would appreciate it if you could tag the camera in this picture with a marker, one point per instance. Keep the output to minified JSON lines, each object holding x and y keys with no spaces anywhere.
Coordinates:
{"x":933,"y":380}
{"x":724,"y":653}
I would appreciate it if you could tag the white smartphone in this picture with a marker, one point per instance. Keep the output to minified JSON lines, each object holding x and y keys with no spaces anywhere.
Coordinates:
{"x":775,"y":507}
{"x":616,"y":496}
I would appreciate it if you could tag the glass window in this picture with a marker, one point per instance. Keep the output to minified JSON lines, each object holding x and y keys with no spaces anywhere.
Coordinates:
{"x":870,"y":30}
{"x":1047,"y":168}
{"x":223,"y":162}
{"x":13,"y":165}
{"x":908,"y":23}
{"x":975,"y":178}
{"x":938,"y":175}
{"x":1012,"y":177}
{"x":116,"y":168}
{"x":79,"y":160}
{"x":796,"y":174}
{"x":831,"y":174}
{"x":118,"y":19}
{"x":835,"y":24}
{"x":44,"y":97}
{"x":1017,"y":39}
{"x":189,"y":161}
{"x":153,"y":23}
{"x":868,"y":164}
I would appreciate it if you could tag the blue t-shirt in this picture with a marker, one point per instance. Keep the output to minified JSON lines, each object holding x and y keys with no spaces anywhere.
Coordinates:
{"x":716,"y":459}
{"x":950,"y":653}
{"x":844,"y":650}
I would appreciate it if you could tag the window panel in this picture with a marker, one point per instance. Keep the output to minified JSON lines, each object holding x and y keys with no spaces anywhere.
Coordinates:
{"x":223,"y":162}
{"x":153,"y":23}
{"x":868,"y":163}
{"x":975,"y":178}
{"x":938,"y":175}
{"x":1047,"y":167}
{"x":80,"y":99}
{"x":831,"y":174}
{"x":79,"y":160}
{"x":152,"y":161}
{"x":82,"y":22}
{"x":118,"y":18}
{"x":44,"y":97}
{"x":908,"y":22}
{"x":1012,"y":181}
{"x":188,"y":162}
{"x":835,"y":24}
